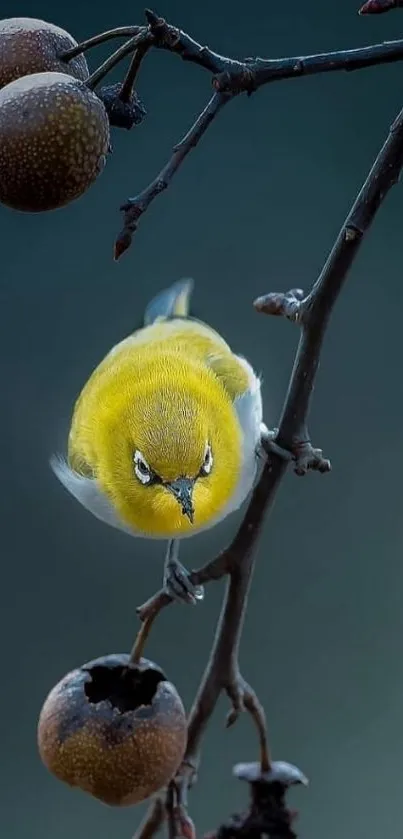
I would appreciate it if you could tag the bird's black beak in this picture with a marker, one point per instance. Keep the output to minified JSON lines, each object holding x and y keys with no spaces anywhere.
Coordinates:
{"x":182,"y":490}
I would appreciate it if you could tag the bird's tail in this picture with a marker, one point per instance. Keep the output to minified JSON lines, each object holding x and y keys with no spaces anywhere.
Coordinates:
{"x":170,"y":303}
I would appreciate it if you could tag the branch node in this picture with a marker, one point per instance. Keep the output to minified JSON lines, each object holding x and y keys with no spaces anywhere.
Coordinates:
{"x":165,"y":35}
{"x":351,"y":233}
{"x":154,"y":605}
{"x":186,"y":776}
{"x":153,"y":20}
{"x":288,"y":305}
{"x":240,"y":79}
{"x":160,"y":185}
{"x":307,"y":458}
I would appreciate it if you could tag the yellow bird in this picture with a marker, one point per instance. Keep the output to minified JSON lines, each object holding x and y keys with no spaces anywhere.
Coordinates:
{"x":165,"y":435}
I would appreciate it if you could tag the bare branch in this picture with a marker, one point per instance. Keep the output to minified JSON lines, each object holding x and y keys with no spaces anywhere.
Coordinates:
{"x":132,"y":73}
{"x":232,"y":77}
{"x":315,"y":310}
{"x":254,"y":73}
{"x":119,"y":32}
{"x":152,"y":821}
{"x":290,"y":442}
{"x":96,"y":77}
{"x":172,"y":39}
{"x":312,"y":314}
{"x":135,"y":207}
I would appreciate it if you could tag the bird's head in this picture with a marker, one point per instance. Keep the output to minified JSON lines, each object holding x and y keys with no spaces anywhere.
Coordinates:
{"x":170,"y":455}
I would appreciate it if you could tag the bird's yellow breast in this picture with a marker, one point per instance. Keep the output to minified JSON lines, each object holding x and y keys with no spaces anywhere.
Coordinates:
{"x":165,"y":391}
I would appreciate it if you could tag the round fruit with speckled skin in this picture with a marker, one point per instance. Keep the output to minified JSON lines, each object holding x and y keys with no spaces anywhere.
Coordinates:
{"x":115,"y":730}
{"x":54,"y":138}
{"x":30,"y":46}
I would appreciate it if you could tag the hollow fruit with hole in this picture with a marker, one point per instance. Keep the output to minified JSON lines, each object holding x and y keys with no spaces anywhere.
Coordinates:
{"x":115,"y":730}
{"x":54,"y":139}
{"x":28,"y":45}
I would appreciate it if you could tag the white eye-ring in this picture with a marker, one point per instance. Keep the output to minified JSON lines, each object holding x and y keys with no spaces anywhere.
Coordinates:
{"x":208,"y":460}
{"x":141,"y":468}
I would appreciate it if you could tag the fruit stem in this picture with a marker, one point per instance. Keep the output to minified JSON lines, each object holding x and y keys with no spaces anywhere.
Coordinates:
{"x":257,"y":713}
{"x":119,"y":32}
{"x":141,"y":638}
{"x":147,"y":614}
{"x":117,"y":56}
{"x":131,"y":75}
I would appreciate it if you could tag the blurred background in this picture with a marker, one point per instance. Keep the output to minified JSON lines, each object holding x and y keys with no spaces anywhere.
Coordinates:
{"x":255,"y":208}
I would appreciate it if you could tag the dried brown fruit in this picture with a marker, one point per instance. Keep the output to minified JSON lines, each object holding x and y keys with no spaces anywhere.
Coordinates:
{"x":54,"y":138}
{"x":28,"y":45}
{"x":116,"y":731}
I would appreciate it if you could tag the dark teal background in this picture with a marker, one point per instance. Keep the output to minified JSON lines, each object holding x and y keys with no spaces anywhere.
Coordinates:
{"x":255,"y":208}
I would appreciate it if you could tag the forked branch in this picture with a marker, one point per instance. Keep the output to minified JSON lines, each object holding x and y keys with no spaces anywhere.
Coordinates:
{"x":230,"y":78}
{"x":291,"y":441}
{"x":311,"y":314}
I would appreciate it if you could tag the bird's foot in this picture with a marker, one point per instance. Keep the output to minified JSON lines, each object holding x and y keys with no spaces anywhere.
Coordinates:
{"x":303,"y":454}
{"x":177,"y":582}
{"x":268,"y":443}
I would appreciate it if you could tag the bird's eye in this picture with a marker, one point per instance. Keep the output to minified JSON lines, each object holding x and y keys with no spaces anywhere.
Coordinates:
{"x":207,"y":461}
{"x":141,"y":468}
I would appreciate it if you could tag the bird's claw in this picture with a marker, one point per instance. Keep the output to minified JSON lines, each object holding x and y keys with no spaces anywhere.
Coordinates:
{"x":268,"y":443}
{"x":305,"y":457}
{"x":178,"y":585}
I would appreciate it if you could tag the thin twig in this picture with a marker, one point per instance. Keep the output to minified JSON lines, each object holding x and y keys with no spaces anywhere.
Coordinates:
{"x":257,"y":713}
{"x":172,"y":39}
{"x":241,"y":76}
{"x":141,"y":639}
{"x":132,"y":73}
{"x":315,"y":309}
{"x":126,"y":49}
{"x":153,"y":819}
{"x":312,"y":315}
{"x":135,"y":207}
{"x":255,"y":73}
{"x":119,"y":32}
{"x":232,"y":77}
